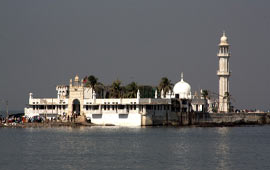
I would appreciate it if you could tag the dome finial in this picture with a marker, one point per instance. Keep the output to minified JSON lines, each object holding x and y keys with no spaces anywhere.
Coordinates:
{"x":224,"y":33}
{"x":182,"y":76}
{"x":76,"y":78}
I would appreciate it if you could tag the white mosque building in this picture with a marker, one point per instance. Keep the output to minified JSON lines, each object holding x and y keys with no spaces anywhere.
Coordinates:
{"x":77,"y":100}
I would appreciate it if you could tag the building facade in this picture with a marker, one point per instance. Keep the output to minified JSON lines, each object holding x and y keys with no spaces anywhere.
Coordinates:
{"x":77,"y":100}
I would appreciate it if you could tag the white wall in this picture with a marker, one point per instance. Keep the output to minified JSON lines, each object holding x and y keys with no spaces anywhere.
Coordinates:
{"x":131,"y":119}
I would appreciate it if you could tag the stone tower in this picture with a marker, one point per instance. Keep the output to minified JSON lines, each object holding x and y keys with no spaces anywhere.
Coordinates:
{"x":223,"y":73}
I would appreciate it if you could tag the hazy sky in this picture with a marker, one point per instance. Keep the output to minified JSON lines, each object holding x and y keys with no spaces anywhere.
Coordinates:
{"x":45,"y":43}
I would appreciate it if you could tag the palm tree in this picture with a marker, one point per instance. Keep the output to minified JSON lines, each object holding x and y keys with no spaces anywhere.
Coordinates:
{"x":99,"y":89}
{"x":165,"y":84}
{"x":147,"y":91}
{"x":131,"y":90}
{"x":92,"y":81}
{"x":115,"y":90}
{"x":205,"y":94}
{"x":228,"y":97}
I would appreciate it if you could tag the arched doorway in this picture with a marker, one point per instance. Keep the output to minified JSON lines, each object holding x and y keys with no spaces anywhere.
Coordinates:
{"x":76,"y":107}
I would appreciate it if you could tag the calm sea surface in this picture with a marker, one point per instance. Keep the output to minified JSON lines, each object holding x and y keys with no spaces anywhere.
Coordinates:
{"x":245,"y":148}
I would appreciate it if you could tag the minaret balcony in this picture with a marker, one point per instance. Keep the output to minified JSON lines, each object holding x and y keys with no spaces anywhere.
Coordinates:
{"x":223,"y":73}
{"x":223,"y":54}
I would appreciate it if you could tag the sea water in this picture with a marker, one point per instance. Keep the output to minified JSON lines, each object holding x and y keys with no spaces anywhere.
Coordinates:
{"x":150,"y":148}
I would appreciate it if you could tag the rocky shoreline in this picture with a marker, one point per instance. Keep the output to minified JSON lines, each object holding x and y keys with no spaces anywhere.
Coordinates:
{"x":85,"y":124}
{"x":47,"y":124}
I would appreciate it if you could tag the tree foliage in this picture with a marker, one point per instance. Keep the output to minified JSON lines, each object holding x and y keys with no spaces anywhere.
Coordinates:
{"x":165,"y":84}
{"x":92,"y":81}
{"x":131,"y":90}
{"x":116,"y":89}
{"x":205,"y":94}
{"x":147,"y":91}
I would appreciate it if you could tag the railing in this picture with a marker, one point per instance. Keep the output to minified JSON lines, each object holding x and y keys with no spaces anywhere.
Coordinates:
{"x":224,"y":54}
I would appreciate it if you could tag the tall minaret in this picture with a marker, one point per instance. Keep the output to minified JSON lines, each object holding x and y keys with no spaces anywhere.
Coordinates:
{"x":223,"y":74}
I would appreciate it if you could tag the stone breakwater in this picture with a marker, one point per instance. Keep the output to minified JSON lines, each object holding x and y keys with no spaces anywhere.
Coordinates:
{"x":235,"y":118}
{"x":213,"y":119}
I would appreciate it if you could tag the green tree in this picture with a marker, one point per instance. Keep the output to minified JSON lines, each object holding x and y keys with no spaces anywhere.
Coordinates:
{"x":205,"y":97}
{"x":205,"y":94}
{"x":147,"y":91}
{"x":165,"y":84}
{"x":131,"y":90}
{"x":99,"y":89}
{"x":115,"y":90}
{"x":92,"y":81}
{"x":228,"y":97}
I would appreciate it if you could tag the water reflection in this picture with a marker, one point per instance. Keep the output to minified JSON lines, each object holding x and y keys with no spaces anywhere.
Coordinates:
{"x":222,"y":150}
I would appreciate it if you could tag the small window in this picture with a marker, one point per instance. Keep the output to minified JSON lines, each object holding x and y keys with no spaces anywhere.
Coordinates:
{"x":123,"y":116}
{"x":97,"y":116}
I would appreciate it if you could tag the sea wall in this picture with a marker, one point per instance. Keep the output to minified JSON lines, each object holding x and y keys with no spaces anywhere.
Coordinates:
{"x":210,"y":119}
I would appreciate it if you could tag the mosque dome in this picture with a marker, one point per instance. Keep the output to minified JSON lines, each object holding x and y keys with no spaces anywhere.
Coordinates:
{"x":182,"y":89}
{"x":223,"y":38}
